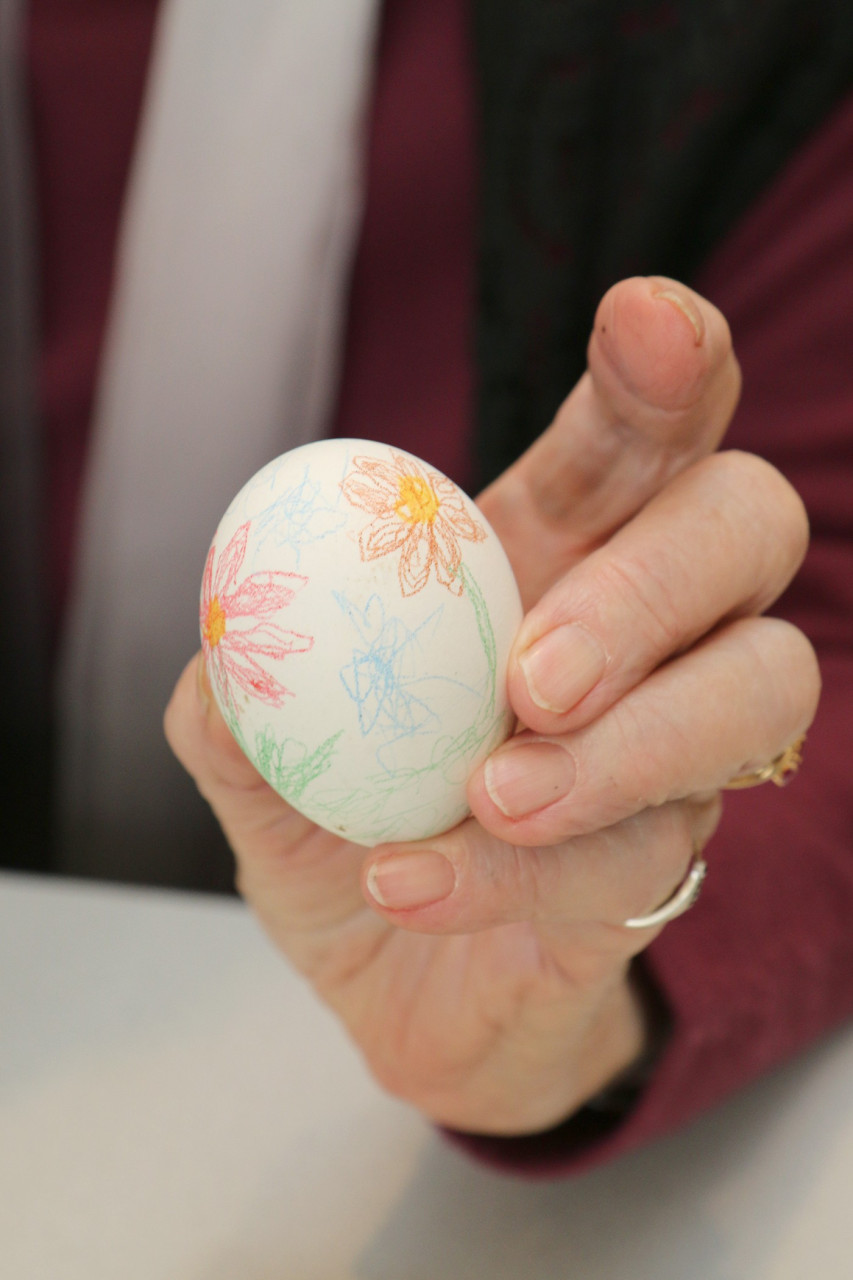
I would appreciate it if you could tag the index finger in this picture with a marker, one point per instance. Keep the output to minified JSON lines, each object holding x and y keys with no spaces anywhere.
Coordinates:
{"x":660,"y":389}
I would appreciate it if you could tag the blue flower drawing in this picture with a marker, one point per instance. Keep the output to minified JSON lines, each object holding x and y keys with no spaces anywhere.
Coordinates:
{"x":380,"y":677}
{"x":298,"y":517}
{"x":391,"y":682}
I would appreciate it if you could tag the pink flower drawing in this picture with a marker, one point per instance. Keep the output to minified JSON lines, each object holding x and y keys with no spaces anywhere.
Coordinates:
{"x":235,"y":630}
{"x":418,"y":513}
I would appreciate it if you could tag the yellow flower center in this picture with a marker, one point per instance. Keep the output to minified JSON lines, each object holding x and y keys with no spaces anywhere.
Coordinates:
{"x":214,"y":627}
{"x":417,"y":503}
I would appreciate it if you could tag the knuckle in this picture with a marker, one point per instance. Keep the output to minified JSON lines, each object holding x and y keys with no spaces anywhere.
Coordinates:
{"x":501,"y":879}
{"x":769,"y":497}
{"x":648,"y":782}
{"x":171,"y":726}
{"x":501,"y":882}
{"x":180,"y":730}
{"x":789,"y":682}
{"x":800,"y":669}
{"x":647,"y":597}
{"x":641,"y":742}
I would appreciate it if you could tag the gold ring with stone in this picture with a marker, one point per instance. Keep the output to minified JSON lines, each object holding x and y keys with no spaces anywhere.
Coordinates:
{"x":779,"y":771}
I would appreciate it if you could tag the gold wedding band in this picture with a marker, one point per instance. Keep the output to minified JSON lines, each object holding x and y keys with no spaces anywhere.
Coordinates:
{"x":779,"y":771}
{"x":681,"y":900}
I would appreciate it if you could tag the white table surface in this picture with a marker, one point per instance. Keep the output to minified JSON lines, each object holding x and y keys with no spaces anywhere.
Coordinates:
{"x":174,"y":1105}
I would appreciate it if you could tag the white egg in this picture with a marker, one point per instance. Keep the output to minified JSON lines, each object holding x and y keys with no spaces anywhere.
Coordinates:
{"x":357,"y":613}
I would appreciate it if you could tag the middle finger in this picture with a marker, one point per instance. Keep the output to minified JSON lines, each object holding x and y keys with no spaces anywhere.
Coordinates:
{"x":721,"y":541}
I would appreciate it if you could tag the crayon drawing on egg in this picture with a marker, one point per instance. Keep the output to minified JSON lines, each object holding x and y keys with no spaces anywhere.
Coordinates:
{"x":231,"y":647}
{"x":417,"y":512}
{"x":299,"y":517}
{"x":288,"y":766}
{"x":357,"y":627}
{"x":380,"y":681}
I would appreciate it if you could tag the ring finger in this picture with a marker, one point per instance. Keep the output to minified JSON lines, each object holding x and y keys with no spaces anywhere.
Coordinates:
{"x":729,"y":705}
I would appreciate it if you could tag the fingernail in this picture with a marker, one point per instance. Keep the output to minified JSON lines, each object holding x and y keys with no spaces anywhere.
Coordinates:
{"x":404,"y":881}
{"x":202,"y":684}
{"x":687,"y":309}
{"x":522,"y":779}
{"x":562,"y":666}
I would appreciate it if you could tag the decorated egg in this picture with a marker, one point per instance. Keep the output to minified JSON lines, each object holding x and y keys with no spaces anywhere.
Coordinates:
{"x":357,"y":613}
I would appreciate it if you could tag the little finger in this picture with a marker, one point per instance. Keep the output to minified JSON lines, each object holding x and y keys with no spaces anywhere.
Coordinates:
{"x":589,"y":883}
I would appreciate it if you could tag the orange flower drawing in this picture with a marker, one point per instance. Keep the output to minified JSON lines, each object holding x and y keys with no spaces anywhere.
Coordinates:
{"x":231,"y":647}
{"x":419,"y":513}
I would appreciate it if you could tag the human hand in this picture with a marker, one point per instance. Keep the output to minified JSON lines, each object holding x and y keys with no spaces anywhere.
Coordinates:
{"x":486,"y":974}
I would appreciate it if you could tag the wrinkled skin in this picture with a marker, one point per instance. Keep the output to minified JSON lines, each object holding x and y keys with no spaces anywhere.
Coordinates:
{"x":486,"y":974}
